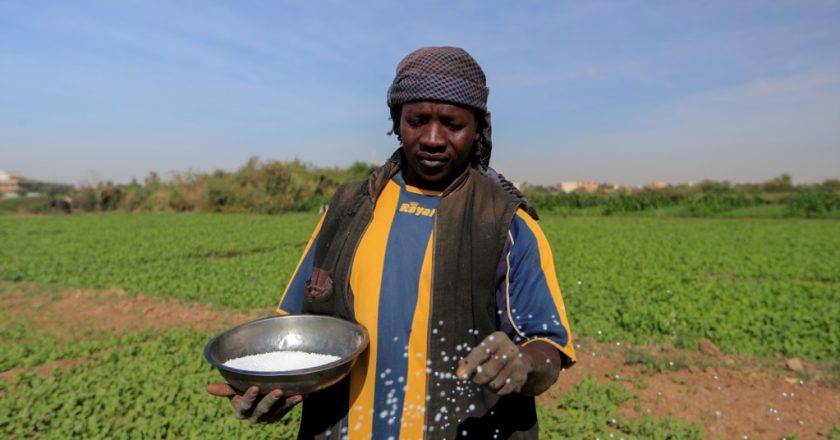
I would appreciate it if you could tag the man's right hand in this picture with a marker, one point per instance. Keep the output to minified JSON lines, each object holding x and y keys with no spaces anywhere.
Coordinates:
{"x":267,"y":409}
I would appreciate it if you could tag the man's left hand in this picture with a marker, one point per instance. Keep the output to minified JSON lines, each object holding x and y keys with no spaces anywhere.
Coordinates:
{"x":498,"y":364}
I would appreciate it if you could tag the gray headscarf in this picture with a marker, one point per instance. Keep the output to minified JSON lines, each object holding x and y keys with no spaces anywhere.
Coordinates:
{"x":450,"y":74}
{"x":447,"y":74}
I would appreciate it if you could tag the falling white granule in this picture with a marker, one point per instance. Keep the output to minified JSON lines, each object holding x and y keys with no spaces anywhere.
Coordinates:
{"x":281,"y":361}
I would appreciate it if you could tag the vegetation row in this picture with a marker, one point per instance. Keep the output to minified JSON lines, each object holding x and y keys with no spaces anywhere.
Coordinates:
{"x":270,"y":187}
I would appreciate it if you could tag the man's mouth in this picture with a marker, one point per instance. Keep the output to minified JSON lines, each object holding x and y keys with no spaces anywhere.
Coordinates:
{"x":428,"y":161}
{"x":432,"y":163}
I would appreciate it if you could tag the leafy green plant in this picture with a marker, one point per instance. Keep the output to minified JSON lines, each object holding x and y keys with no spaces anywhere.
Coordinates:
{"x":20,"y":348}
{"x":751,"y":286}
{"x":813,"y":203}
{"x":147,"y":386}
{"x":590,"y":410}
{"x":234,"y":260}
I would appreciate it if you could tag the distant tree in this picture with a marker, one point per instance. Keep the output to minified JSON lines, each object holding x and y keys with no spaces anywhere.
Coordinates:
{"x":715,"y":187}
{"x":831,"y":185}
{"x":781,"y":183}
{"x":152,"y":181}
{"x":605,"y":188}
{"x":528,"y":189}
{"x":360,"y":170}
{"x":109,"y":197}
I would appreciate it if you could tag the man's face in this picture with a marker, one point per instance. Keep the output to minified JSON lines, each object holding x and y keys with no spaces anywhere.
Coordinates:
{"x":437,"y":139}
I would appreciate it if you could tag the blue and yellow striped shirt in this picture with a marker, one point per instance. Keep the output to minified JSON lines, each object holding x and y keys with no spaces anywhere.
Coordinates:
{"x":391,"y":280}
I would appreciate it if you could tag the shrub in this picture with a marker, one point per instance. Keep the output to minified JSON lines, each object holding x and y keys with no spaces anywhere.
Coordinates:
{"x":812,"y":203}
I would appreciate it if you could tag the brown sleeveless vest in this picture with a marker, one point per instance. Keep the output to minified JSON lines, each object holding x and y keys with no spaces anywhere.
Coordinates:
{"x":471,"y":226}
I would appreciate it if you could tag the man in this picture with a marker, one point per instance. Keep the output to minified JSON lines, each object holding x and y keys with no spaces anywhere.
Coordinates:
{"x":442,"y":260}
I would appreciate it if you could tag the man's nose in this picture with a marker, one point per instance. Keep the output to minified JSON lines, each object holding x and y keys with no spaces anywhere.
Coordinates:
{"x":434,"y":136}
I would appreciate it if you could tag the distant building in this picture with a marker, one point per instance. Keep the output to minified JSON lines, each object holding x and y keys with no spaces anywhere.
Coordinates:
{"x":587,"y":186}
{"x":11,"y":184}
{"x":566,"y":187}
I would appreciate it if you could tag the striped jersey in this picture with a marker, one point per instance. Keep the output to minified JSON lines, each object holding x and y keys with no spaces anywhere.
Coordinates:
{"x":391,"y":278}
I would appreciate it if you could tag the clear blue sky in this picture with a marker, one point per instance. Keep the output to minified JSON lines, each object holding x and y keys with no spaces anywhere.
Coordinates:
{"x":613,"y":91}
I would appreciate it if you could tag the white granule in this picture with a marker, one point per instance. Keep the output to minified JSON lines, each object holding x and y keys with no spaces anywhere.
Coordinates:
{"x":280,"y":361}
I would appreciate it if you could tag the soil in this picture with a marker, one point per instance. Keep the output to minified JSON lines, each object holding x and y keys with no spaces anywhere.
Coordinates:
{"x":68,"y":314}
{"x":731,"y":396}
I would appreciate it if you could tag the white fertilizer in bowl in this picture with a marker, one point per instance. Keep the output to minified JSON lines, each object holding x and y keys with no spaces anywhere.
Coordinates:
{"x":280,"y":361}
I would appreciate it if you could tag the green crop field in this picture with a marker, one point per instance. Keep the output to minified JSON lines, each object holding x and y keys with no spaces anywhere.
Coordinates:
{"x":751,"y":286}
{"x":230,"y":260}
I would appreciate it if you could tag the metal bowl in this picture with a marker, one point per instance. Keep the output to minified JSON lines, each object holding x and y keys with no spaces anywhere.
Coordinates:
{"x":308,"y":333}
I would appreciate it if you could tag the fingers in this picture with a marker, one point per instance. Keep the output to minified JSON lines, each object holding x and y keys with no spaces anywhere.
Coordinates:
{"x":221,"y":390}
{"x":266,"y":406}
{"x":496,"y":363}
{"x":498,"y":368}
{"x":273,"y":407}
{"x":478,"y":355}
{"x":270,"y":408}
{"x":510,"y":379}
{"x":243,"y":405}
{"x":489,"y":370}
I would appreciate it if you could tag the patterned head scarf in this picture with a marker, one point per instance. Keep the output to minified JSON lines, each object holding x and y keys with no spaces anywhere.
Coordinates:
{"x":450,"y":74}
{"x":447,"y":74}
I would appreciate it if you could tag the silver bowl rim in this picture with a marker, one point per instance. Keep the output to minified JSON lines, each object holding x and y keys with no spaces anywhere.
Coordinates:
{"x":288,"y":373}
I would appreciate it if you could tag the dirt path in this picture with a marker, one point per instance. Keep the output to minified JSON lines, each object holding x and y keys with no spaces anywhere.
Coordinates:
{"x":74,"y":312}
{"x":731,"y":396}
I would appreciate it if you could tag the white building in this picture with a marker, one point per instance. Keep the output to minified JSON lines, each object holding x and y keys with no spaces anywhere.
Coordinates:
{"x":587,"y":186}
{"x":10,"y":183}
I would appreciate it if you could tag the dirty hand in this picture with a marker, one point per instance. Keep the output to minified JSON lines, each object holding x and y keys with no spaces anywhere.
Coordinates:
{"x":498,"y":364}
{"x":268,"y":409}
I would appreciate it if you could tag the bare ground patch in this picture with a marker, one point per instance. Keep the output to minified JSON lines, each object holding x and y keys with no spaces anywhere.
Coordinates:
{"x":235,"y":254}
{"x":731,"y":396}
{"x":73,"y":312}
